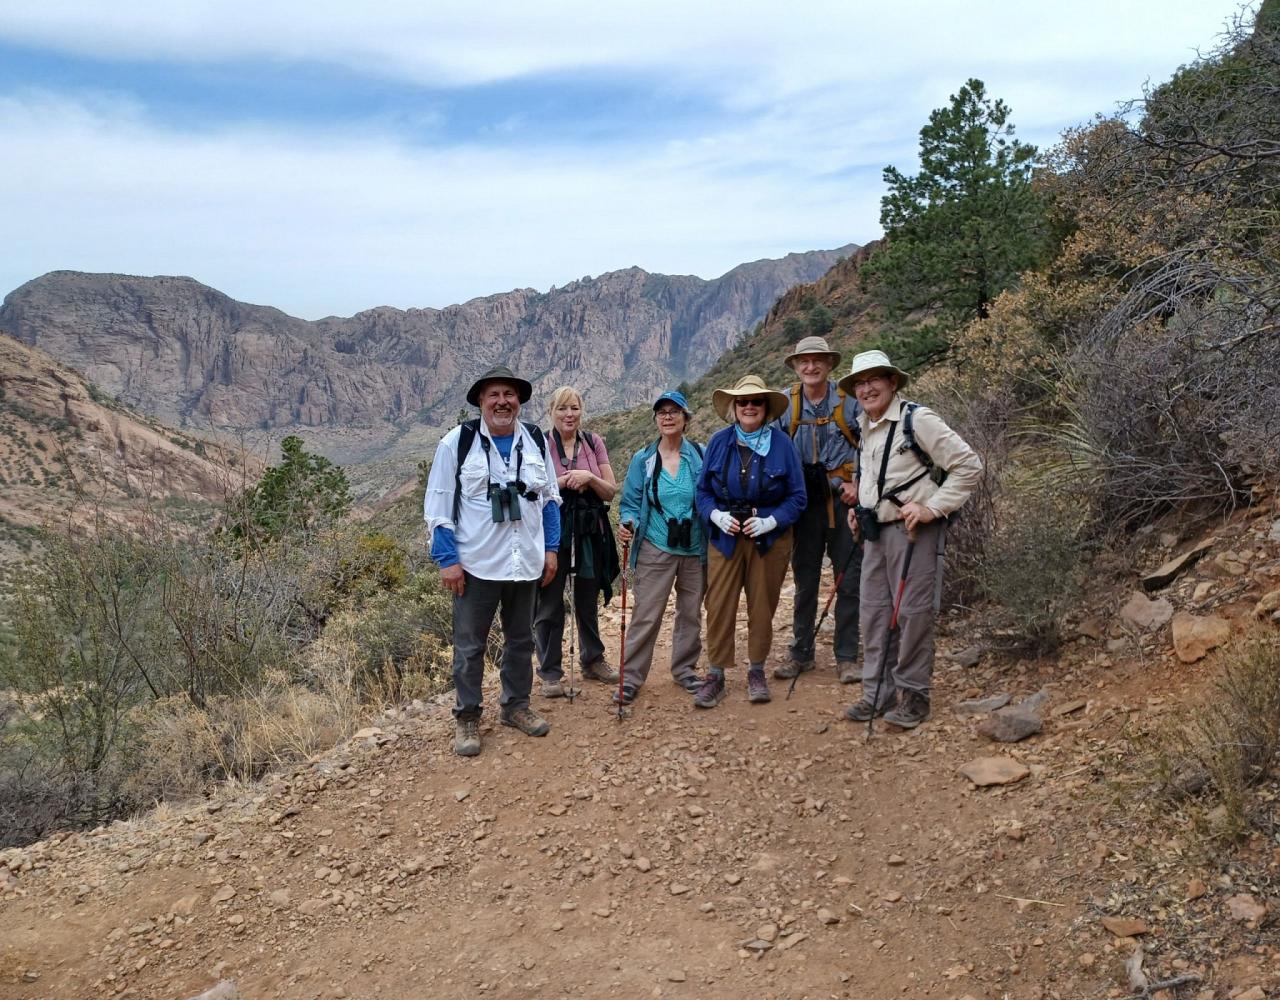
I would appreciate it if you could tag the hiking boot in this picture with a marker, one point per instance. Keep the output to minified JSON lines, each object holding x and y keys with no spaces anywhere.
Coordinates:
{"x":757,"y":687}
{"x":912,"y":709}
{"x":526,"y":720}
{"x":466,"y":737}
{"x":599,"y":671}
{"x":792,"y":668}
{"x":625,"y":696}
{"x":711,"y":693}
{"x":848,"y":672}
{"x":552,"y":687}
{"x":690,"y":682}
{"x":863,"y":710}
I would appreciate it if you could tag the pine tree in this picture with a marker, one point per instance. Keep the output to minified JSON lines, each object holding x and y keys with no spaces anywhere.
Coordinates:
{"x":961,"y":230}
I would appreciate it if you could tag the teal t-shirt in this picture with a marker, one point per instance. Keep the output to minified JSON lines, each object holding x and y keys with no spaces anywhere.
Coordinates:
{"x":676,"y":496}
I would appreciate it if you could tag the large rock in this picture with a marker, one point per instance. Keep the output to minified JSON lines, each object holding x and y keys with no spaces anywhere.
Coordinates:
{"x":1195,"y":635}
{"x":1011,"y":725}
{"x":1144,"y":614}
{"x":984,"y":771}
{"x":225,"y":990}
{"x":1172,"y":569}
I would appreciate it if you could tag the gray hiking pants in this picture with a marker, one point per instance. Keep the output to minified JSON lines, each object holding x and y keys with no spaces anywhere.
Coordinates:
{"x":909,"y":666}
{"x":473,"y":615}
{"x":813,"y":540}
{"x":656,"y":573}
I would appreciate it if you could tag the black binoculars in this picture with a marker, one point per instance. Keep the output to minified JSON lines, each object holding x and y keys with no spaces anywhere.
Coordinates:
{"x":868,"y":523}
{"x":504,"y":502}
{"x":741,"y":513}
{"x":680,"y":533}
{"x":585,"y":519}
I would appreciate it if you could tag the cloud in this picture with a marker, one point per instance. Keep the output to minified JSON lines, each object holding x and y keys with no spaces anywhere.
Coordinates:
{"x":718,"y":133}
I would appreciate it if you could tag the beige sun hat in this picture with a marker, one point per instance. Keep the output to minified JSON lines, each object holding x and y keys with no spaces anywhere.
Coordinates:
{"x":749,"y":385}
{"x":813,"y":345}
{"x":872,"y":361}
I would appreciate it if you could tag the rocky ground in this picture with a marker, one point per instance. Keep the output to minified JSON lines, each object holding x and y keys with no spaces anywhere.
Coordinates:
{"x":753,"y":850}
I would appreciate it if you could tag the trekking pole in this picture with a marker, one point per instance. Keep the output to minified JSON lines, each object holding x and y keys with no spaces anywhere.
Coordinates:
{"x":622,"y":641}
{"x":827,"y":607}
{"x":893,"y":630}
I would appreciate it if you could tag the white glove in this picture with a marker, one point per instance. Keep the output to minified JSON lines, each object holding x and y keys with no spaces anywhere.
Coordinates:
{"x":722,"y":520}
{"x":757,"y":526}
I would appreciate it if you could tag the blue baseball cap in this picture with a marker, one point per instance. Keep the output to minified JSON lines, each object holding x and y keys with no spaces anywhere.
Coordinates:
{"x":673,"y":396}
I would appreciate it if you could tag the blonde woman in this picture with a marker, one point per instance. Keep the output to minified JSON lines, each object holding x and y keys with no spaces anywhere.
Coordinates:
{"x":587,"y":549}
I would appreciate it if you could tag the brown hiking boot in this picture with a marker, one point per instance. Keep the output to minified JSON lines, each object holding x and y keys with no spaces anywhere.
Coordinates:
{"x":466,"y":737}
{"x":526,"y":720}
{"x":599,"y":670}
{"x":862,"y":710}
{"x":848,"y":672}
{"x":792,"y":668}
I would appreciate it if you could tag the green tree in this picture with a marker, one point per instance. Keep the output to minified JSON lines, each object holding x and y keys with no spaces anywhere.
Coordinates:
{"x":298,"y":496}
{"x":960,"y":231}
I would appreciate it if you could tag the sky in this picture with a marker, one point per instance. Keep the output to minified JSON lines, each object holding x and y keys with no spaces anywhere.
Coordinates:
{"x":327,"y":157}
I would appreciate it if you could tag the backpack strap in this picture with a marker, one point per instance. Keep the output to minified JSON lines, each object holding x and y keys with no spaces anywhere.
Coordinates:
{"x":909,"y":435}
{"x":794,"y":424}
{"x":466,"y":438}
{"x":850,"y":435}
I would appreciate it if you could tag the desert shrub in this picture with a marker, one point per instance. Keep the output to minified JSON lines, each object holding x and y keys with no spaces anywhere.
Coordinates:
{"x":1209,"y":757}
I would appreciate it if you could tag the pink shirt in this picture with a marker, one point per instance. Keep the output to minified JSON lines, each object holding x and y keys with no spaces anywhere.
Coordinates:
{"x":591,"y":457}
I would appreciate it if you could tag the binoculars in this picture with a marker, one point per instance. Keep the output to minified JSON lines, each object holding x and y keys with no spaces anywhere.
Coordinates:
{"x":741,"y":512}
{"x":585,"y":519}
{"x":868,"y":523}
{"x":504,"y":501}
{"x":680,"y":533}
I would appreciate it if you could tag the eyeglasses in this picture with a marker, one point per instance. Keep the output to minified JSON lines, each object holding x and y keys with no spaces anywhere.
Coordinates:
{"x":753,"y":401}
{"x":862,"y":383}
{"x":669,"y":414}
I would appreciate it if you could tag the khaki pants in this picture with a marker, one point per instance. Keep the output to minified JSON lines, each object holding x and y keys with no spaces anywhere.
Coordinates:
{"x":909,"y":666}
{"x":656,"y":573}
{"x":760,"y":576}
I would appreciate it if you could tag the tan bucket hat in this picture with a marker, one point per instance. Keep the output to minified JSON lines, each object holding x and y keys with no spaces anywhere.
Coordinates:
{"x":813,"y":345}
{"x":872,"y":361}
{"x":749,"y":385}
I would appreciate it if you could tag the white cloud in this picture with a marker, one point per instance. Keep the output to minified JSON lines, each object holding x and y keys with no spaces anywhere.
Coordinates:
{"x":815,"y":99}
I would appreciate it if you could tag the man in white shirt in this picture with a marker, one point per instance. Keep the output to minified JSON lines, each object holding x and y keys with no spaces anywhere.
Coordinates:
{"x":495,"y":533}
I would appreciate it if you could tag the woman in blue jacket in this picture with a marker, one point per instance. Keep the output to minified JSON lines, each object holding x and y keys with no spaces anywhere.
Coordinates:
{"x":669,"y":548}
{"x":750,"y":494}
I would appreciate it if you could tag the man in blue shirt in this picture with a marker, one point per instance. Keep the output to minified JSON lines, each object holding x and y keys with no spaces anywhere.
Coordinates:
{"x":491,"y":509}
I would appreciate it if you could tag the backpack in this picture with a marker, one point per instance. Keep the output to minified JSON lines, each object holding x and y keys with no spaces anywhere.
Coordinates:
{"x":466,"y":438}
{"x":938,"y":475}
{"x":837,"y":415}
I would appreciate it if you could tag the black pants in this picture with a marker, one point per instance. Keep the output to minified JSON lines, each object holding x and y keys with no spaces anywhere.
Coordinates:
{"x":473,"y":615}
{"x":548,"y":621}
{"x":813,"y":540}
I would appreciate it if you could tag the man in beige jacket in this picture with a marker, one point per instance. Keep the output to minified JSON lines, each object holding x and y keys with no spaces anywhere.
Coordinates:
{"x":903,"y":443}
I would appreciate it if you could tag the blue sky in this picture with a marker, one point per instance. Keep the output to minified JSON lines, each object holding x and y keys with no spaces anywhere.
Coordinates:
{"x":329,"y":157}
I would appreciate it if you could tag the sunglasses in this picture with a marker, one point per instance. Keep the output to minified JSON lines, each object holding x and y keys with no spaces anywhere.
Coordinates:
{"x":753,"y":401}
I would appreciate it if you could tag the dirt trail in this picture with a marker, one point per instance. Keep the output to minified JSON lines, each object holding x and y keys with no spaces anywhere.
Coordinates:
{"x":748,"y":851}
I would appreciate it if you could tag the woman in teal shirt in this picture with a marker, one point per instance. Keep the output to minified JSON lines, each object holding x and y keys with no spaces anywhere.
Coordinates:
{"x":669,"y":548}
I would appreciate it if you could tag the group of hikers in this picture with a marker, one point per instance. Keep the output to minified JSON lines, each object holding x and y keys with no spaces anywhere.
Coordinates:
{"x":847,"y":471}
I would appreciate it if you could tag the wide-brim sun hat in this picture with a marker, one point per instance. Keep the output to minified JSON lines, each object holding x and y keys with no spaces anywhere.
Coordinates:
{"x":500,"y":373}
{"x":673,"y":396}
{"x":749,"y":385}
{"x":813,"y":345}
{"x":872,"y":361}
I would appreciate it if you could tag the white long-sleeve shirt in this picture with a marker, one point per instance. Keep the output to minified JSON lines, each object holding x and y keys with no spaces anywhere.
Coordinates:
{"x":508,"y":550}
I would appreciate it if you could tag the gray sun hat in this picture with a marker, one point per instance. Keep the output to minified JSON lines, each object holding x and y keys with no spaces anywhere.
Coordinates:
{"x":500,"y":373}
{"x":872,"y":361}
{"x":812,"y":345}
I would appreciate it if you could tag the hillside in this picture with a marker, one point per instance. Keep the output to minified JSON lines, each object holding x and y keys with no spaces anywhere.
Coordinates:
{"x":193,"y":357}
{"x":757,"y":850}
{"x":837,"y":304}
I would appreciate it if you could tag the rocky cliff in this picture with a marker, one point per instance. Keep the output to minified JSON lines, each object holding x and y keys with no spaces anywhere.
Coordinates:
{"x":194,"y":357}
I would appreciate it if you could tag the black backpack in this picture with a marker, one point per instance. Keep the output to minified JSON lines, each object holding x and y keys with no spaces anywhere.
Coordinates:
{"x":466,"y":438}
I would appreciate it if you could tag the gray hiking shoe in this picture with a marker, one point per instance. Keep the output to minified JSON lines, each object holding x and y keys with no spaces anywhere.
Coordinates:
{"x":912,"y":709}
{"x":862,"y":710}
{"x":552,"y":688}
{"x":711,"y":693}
{"x":526,"y":720}
{"x":690,"y":682}
{"x":792,"y":668}
{"x":848,"y":672}
{"x":466,"y":737}
{"x":757,"y":687}
{"x":599,"y":671}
